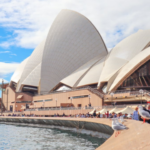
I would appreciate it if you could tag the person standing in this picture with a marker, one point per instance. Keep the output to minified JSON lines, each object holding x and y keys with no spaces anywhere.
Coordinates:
{"x":89,"y":104}
{"x":135,"y":115}
{"x":94,"y":114}
{"x":113,"y":115}
{"x":107,"y":114}
{"x":99,"y":115}
{"x":87,"y":115}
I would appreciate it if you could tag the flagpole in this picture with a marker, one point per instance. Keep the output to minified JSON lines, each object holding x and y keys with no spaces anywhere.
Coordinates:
{"x":2,"y":98}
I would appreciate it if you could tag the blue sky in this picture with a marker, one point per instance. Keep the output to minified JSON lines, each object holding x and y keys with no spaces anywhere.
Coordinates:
{"x":11,"y":54}
{"x":25,"y":23}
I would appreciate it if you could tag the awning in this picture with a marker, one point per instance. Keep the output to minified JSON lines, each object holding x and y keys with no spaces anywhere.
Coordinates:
{"x":66,"y":104}
{"x":92,"y":111}
{"x":19,"y":96}
{"x":23,"y":107}
{"x":127,"y":110}
{"x":31,"y":106}
{"x":114,"y":110}
{"x":103,"y":111}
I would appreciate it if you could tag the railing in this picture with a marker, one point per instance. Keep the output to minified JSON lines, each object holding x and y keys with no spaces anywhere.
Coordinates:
{"x":85,"y":108}
{"x":121,"y":91}
{"x":145,"y":92}
{"x":11,"y":112}
{"x":132,"y":92}
{"x":65,"y":108}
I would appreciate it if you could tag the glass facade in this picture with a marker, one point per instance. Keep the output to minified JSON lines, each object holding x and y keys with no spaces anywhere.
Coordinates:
{"x":139,"y":79}
{"x":82,"y":96}
{"x":23,"y":101}
{"x":43,"y":100}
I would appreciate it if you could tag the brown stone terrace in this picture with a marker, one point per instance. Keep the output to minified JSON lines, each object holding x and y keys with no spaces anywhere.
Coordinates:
{"x":127,"y":96}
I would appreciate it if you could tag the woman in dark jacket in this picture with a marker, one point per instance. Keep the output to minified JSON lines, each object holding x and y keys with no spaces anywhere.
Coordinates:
{"x":94,"y":114}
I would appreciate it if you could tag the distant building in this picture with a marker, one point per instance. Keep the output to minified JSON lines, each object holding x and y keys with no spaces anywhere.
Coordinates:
{"x":72,"y":67}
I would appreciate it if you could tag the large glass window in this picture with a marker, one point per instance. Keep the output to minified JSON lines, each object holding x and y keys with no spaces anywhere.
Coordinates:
{"x":46,"y":100}
{"x":23,"y":101}
{"x":75,"y":97}
{"x":139,"y":79}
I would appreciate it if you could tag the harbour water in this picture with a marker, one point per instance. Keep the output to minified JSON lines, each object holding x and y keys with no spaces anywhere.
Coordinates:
{"x":24,"y":137}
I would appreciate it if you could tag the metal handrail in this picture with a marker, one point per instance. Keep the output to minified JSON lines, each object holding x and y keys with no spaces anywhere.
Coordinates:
{"x":131,"y":92}
{"x":83,"y":108}
{"x":66,"y":108}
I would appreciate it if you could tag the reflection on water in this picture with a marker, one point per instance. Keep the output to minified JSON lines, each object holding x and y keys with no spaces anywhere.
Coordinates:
{"x":14,"y":137}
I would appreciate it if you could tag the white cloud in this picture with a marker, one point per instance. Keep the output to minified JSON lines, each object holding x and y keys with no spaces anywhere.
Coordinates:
{"x":6,"y":44}
{"x":4,"y":52}
{"x":31,"y":20}
{"x":14,"y":54}
{"x":7,"y":68}
{"x":7,"y":52}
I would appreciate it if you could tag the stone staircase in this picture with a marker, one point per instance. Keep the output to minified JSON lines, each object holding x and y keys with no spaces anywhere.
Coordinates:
{"x":95,"y":91}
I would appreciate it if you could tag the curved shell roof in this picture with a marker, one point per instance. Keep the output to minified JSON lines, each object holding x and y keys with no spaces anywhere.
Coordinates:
{"x":130,"y":67}
{"x":71,"y":42}
{"x":74,"y":54}
{"x":93,"y":74}
{"x":33,"y":61}
{"x":124,"y":52}
{"x":34,"y":77}
{"x":87,"y":74}
{"x":17,"y":74}
{"x":72,"y":79}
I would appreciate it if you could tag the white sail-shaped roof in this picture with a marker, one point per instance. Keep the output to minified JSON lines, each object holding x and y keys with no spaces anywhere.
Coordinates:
{"x":123,"y":52}
{"x":17,"y":74}
{"x":71,"y":42}
{"x":87,"y":74}
{"x":34,"y":77}
{"x":72,"y":79}
{"x":75,"y":55}
{"x":93,"y":75}
{"x":33,"y":61}
{"x":130,"y":67}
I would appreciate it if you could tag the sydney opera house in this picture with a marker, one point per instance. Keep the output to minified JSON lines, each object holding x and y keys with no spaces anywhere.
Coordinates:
{"x":72,"y":67}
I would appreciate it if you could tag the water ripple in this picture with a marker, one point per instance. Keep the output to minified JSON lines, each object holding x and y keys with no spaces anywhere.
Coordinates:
{"x":14,"y":137}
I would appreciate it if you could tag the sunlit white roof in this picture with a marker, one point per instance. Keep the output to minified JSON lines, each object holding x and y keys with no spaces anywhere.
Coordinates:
{"x":130,"y":67}
{"x":34,"y":77}
{"x":31,"y":64}
{"x":87,"y":74}
{"x":71,"y":42}
{"x":124,"y":52}
{"x":17,"y":74}
{"x":75,"y":55}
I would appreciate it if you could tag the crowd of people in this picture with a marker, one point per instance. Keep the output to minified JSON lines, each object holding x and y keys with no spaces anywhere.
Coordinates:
{"x":97,"y":115}
{"x":80,"y":115}
{"x":135,"y":115}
